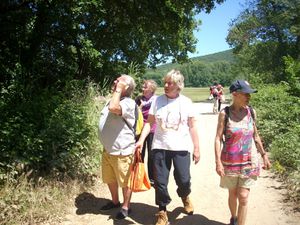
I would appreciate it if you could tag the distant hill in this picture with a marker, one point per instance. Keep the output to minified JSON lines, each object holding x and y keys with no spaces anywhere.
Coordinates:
{"x":224,"y":56}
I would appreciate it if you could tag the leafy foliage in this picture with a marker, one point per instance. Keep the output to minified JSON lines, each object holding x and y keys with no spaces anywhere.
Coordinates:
{"x":201,"y":71}
{"x":286,"y":149}
{"x":293,"y":74}
{"x":278,"y":122}
{"x":277,"y":110}
{"x":59,"y":40}
{"x":54,"y":132}
{"x":263,"y":34}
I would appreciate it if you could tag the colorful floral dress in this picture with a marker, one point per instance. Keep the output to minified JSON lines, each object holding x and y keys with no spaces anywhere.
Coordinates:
{"x":239,"y":156}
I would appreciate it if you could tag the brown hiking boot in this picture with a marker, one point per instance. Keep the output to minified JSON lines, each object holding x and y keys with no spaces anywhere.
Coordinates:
{"x":188,"y":206}
{"x":162,"y":218}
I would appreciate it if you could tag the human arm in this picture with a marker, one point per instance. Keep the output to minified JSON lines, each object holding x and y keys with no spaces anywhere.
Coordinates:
{"x":260,"y":147}
{"x":192,"y":122}
{"x":218,"y":143}
{"x":114,"y":104}
{"x":146,"y":130}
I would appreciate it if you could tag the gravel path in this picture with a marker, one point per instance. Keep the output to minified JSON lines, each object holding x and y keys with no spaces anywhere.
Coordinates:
{"x":266,"y":203}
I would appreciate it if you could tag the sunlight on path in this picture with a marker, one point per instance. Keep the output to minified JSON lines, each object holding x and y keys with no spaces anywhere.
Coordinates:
{"x":210,"y":201}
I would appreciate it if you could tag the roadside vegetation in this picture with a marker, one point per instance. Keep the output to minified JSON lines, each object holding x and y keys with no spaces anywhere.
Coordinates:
{"x":57,"y":67}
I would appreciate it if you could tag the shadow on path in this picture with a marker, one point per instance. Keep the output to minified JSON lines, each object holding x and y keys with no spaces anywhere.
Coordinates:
{"x":195,"y":219}
{"x":87,"y":203}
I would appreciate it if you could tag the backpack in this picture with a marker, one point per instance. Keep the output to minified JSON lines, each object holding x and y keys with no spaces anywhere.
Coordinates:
{"x":226,"y":109}
{"x":213,"y":91}
{"x":138,"y":123}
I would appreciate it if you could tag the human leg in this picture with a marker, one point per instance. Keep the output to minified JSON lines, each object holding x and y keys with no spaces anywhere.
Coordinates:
{"x":122,"y":171}
{"x":219,"y":104}
{"x":242,"y":194}
{"x":109,"y":177}
{"x":113,"y":189}
{"x":149,"y":140}
{"x":182,"y":176}
{"x":162,"y":166}
{"x":182,"y":162}
{"x":126,"y":196}
{"x":231,"y":183}
{"x":125,"y":210}
{"x":143,"y":153}
{"x":215,"y":105}
{"x":232,"y":203}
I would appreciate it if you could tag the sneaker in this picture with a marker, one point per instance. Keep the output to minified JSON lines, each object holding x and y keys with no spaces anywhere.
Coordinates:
{"x":233,"y":221}
{"x":188,"y":206}
{"x":123,"y":213}
{"x":110,"y":205}
{"x":162,"y":218}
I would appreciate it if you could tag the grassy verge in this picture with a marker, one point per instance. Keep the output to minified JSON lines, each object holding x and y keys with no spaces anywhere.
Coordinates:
{"x":39,"y":202}
{"x":195,"y":94}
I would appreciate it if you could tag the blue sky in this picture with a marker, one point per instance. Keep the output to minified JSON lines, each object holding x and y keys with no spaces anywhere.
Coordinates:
{"x":212,"y":32}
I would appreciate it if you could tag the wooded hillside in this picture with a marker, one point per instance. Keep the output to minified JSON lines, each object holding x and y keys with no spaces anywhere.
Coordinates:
{"x":201,"y":71}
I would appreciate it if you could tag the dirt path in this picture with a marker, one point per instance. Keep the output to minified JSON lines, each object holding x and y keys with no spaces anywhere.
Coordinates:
{"x":266,"y":206}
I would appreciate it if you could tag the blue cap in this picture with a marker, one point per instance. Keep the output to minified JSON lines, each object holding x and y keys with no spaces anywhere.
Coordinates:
{"x":241,"y":86}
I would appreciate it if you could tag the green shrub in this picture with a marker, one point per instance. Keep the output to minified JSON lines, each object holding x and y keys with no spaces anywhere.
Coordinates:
{"x":293,"y":186}
{"x":286,"y":149}
{"x":278,"y":112}
{"x":50,"y":131}
{"x":292,"y":69}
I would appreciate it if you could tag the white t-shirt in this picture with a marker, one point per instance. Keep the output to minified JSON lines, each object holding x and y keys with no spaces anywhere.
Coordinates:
{"x":171,"y":116}
{"x":114,"y":134}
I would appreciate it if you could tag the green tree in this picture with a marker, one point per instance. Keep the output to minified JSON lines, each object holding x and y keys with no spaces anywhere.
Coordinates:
{"x":53,"y":41}
{"x":264,"y":33}
{"x":50,"y":50}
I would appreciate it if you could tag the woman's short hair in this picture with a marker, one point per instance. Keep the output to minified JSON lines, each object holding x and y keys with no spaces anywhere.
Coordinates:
{"x":176,"y":77}
{"x":131,"y":84}
{"x":152,"y":84}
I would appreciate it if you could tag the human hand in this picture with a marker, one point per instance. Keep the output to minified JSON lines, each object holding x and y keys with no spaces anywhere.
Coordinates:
{"x":220,"y":169}
{"x":138,"y":146}
{"x":122,"y":85}
{"x":196,"y":156}
{"x":267,"y":163}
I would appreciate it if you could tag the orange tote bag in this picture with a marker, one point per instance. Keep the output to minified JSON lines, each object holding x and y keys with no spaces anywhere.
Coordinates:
{"x":138,"y":179}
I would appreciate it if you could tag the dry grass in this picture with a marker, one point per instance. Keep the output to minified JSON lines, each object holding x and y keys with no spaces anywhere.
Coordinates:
{"x":43,"y":201}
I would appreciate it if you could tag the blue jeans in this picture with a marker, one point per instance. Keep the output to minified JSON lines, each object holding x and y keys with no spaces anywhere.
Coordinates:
{"x":162,"y":162}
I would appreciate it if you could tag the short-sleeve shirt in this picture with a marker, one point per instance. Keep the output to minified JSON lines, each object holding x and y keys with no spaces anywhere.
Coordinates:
{"x":115,"y":135}
{"x":171,"y":116}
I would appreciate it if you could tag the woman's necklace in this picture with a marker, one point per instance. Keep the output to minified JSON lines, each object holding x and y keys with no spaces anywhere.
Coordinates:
{"x":173,"y":116}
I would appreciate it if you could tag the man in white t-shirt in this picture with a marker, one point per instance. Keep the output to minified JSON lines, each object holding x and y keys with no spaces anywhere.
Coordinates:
{"x":118,"y":140}
{"x":175,"y":138}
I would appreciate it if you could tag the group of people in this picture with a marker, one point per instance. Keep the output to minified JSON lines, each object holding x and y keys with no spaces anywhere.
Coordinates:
{"x":217,"y":95}
{"x":170,"y":136}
